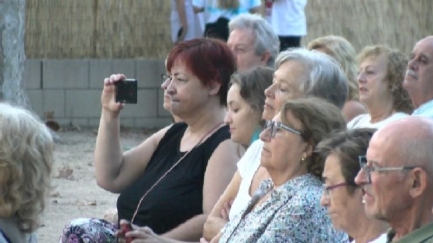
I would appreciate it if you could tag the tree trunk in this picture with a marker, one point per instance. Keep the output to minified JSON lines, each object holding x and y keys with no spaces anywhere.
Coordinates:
{"x":12,"y":56}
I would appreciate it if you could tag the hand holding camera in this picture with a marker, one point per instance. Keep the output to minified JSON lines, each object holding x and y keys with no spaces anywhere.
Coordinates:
{"x":118,"y":90}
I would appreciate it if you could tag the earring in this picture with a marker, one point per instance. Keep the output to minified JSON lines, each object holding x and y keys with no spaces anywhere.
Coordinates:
{"x":302,"y":161}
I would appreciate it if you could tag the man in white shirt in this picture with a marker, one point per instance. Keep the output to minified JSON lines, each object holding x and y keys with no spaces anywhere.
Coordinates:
{"x":419,"y":77}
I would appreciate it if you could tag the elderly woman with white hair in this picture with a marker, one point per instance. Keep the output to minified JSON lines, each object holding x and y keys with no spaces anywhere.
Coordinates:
{"x":26,"y":158}
{"x":300,"y":73}
{"x":286,"y":207}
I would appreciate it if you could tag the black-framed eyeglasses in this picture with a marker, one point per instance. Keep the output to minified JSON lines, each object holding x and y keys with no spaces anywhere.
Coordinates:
{"x":164,"y":77}
{"x":275,"y":126}
{"x":328,"y":189}
{"x":369,"y":168}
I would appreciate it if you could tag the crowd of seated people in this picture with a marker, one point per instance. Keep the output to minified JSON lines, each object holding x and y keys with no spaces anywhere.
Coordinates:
{"x":261,"y":202}
{"x":299,"y":74}
{"x":264,"y":147}
{"x":285,"y":207}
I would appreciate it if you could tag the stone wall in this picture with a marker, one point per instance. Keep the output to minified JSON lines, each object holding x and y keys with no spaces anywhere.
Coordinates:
{"x":70,"y":90}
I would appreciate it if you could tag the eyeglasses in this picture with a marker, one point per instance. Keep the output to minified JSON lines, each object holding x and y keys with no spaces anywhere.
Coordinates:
{"x":164,"y":77}
{"x":328,"y":189}
{"x":368,"y":168}
{"x":275,"y":126}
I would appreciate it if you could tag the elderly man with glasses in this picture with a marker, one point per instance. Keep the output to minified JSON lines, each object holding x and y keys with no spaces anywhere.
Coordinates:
{"x":397,"y":179}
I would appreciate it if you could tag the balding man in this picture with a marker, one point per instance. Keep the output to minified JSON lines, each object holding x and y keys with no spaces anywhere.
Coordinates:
{"x":419,"y":77}
{"x":397,"y":179}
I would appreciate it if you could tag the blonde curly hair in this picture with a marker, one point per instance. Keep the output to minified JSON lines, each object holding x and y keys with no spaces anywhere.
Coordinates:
{"x":342,"y":51}
{"x":395,"y":73}
{"x":26,"y":157}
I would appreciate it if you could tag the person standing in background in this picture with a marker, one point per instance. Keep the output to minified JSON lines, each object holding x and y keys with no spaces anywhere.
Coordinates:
{"x":185,"y":24}
{"x":288,"y":20}
{"x":218,"y":13}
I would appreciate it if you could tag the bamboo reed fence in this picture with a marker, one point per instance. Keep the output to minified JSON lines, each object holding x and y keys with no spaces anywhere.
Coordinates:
{"x":141,"y":28}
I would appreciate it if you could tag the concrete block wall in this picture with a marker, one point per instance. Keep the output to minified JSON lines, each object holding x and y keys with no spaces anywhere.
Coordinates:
{"x":71,"y":90}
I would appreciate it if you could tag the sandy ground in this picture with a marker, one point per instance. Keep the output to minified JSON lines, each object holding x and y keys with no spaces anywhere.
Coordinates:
{"x":75,"y":192}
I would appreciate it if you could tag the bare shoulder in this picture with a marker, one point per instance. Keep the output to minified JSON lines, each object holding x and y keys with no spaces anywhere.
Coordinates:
{"x":139,"y":156}
{"x":160,"y":134}
{"x":219,"y":172}
{"x":155,"y":138}
{"x":228,"y":150}
{"x":352,"y":109}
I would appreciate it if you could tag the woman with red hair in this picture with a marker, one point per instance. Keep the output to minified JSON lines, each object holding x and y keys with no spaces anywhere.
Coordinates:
{"x":172,"y":180}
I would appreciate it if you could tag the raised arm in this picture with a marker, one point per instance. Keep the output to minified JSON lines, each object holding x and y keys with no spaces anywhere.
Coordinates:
{"x":219,"y":171}
{"x":114,"y":170}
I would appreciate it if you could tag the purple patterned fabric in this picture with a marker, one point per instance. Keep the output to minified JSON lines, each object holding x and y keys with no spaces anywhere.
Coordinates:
{"x":89,"y":230}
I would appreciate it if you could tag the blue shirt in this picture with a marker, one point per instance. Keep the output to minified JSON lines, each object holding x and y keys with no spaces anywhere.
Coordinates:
{"x":291,"y":214}
{"x":425,"y":110}
{"x":212,"y":12}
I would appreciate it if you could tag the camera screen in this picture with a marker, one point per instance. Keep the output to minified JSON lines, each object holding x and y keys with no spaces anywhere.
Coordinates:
{"x":126,"y":91}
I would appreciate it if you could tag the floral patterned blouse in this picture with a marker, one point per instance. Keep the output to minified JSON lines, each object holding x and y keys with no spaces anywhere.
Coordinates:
{"x":292,"y":213}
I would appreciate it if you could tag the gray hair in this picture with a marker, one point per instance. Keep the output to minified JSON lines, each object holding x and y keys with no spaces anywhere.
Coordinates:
{"x":419,"y":153}
{"x":326,"y":78}
{"x":266,"y":39}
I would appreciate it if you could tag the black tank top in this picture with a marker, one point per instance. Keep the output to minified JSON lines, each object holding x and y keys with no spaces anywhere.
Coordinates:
{"x":179,"y":196}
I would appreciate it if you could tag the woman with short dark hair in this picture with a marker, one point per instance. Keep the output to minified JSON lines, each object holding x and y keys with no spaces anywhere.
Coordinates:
{"x":342,"y":197}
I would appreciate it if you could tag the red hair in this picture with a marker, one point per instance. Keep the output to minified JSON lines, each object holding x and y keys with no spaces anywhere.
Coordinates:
{"x":210,"y":60}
